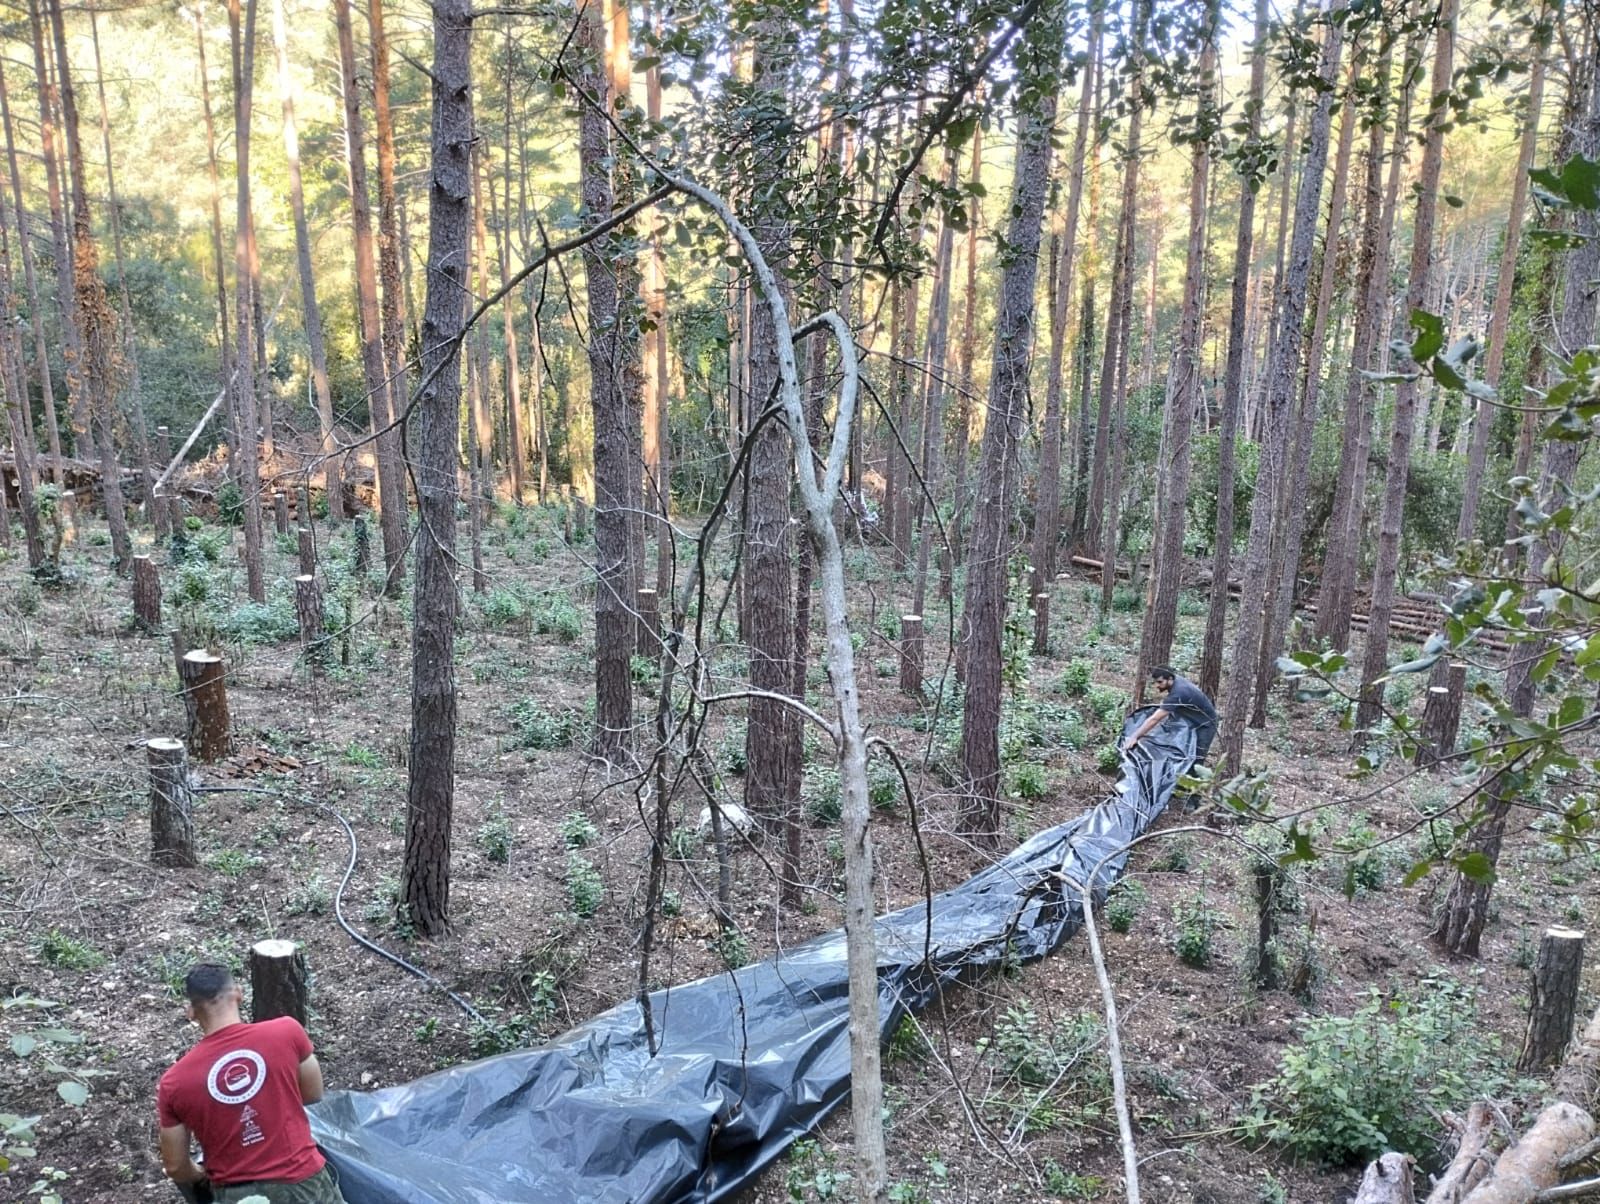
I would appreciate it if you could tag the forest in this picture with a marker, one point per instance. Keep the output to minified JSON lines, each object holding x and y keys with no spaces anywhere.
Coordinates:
{"x":621,"y":564}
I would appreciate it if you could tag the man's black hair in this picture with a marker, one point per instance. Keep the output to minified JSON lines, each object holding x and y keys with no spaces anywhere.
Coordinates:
{"x":1163,"y":673}
{"x":206,"y":983}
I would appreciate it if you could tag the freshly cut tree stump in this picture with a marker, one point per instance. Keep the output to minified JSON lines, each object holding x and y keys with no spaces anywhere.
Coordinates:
{"x":146,"y":594}
{"x":1041,"y":624}
{"x":1441,"y":720}
{"x":649,"y":642}
{"x":308,"y":609}
{"x":911,"y":655}
{"x":1387,"y":1181}
{"x":1553,"y":1008}
{"x":1534,"y":1163}
{"x":205,"y":694}
{"x":278,"y":981}
{"x":308,"y":552}
{"x":280,"y":510}
{"x":171,"y":822}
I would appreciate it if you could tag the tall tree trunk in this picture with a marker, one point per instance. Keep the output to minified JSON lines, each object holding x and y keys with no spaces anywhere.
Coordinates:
{"x":136,"y":424}
{"x":96,"y":321}
{"x":389,"y":248}
{"x":391,"y":479}
{"x":1279,"y":393}
{"x":242,"y":36}
{"x":983,"y":619}
{"x":311,"y":313}
{"x":1118,"y":331}
{"x":1336,"y":594}
{"x":1084,"y":432}
{"x":41,"y":348}
{"x":14,"y":378}
{"x":514,"y":414}
{"x":1290,"y":523}
{"x":1233,"y":377}
{"x":1443,"y":696}
{"x":657,"y":436}
{"x":218,"y":257}
{"x":1467,"y":905}
{"x":1161,"y":621}
{"x":1047,"y":510}
{"x":1386,"y":568}
{"x":425,"y":881}
{"x":772,"y":734}
{"x":613,"y":463}
{"x":961,"y":428}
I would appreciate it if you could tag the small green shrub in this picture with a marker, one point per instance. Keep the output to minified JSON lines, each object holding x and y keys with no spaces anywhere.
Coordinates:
{"x":1028,"y":780}
{"x":645,"y":671}
{"x":884,"y":791}
{"x":1126,"y":599}
{"x":1198,"y":924}
{"x":232,"y":863}
{"x":230,"y":503}
{"x":1177,"y":856}
{"x":1106,"y":703}
{"x":1190,"y":605}
{"x":1356,"y":1086}
{"x":820,"y":791}
{"x":503,"y":607}
{"x":310,"y":898}
{"x":494,"y":837}
{"x":262,"y":623}
{"x":539,"y":726}
{"x":1123,"y":904}
{"x":554,"y":614}
{"x":888,"y":625}
{"x":1108,"y":759}
{"x":578,"y":830}
{"x":1075,"y":679}
{"x":585,"y":888}
{"x":733,"y":947}
{"x":69,"y":952}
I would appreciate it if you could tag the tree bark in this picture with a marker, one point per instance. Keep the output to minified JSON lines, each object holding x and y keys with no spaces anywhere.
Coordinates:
{"x":205,"y":695}
{"x":1534,"y":1162}
{"x":1441,"y":720}
{"x":1047,"y":508}
{"x":393,"y":303}
{"x":278,"y":981}
{"x":1290,"y":523}
{"x":1386,"y":1181}
{"x":1233,"y":376}
{"x":772,"y":734}
{"x":1386,"y":568}
{"x":961,"y":429}
{"x":146,"y":594}
{"x":96,"y":321}
{"x":171,"y":803}
{"x":1279,"y":391}
{"x":311,"y":313}
{"x":1556,"y":977}
{"x":983,"y":617}
{"x":391,"y":480}
{"x":1336,"y":591}
{"x":615,"y":629}
{"x":41,"y":349}
{"x":1161,"y":620}
{"x":313,"y":634}
{"x":218,"y":258}
{"x":425,"y":877}
{"x":1449,"y":699}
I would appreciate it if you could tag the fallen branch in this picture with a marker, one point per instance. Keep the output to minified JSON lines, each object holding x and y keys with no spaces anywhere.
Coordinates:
{"x":1531,"y":1165}
{"x":1472,"y":1161}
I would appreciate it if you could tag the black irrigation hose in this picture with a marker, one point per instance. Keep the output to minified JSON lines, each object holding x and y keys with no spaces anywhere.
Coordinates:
{"x":338,"y":900}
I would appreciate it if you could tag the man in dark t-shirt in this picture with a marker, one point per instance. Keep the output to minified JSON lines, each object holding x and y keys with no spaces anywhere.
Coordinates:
{"x":241,"y":1093}
{"x":1182,"y":697}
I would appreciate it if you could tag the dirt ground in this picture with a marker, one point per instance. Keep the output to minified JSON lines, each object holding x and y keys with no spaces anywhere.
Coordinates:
{"x":548,"y":878}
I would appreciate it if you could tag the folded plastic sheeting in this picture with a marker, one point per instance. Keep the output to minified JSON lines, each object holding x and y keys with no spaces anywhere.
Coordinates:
{"x":747,"y":1061}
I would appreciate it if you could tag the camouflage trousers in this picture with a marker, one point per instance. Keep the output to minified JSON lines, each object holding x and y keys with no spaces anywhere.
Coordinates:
{"x":320,"y":1188}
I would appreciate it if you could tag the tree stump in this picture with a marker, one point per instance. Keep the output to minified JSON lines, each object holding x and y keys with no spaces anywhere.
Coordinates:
{"x":1554,"y":1004}
{"x":280,"y":510}
{"x":302,"y":504}
{"x":911,"y":655}
{"x":362,"y":542}
{"x":171,"y":822}
{"x":168,"y":495}
{"x":649,"y":624}
{"x":308,"y":609}
{"x":205,"y":695}
{"x":566,"y":513}
{"x":1441,"y":718}
{"x":146,"y":594}
{"x":308,"y":552}
{"x":580,"y":517}
{"x":1041,"y":624}
{"x":278,"y":981}
{"x":1387,"y":1181}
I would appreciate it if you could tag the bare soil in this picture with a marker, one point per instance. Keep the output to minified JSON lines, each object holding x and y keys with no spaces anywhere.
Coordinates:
{"x":91,"y":928}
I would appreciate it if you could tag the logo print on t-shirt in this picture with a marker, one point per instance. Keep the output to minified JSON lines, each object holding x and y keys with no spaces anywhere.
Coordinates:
{"x":236,"y":1076}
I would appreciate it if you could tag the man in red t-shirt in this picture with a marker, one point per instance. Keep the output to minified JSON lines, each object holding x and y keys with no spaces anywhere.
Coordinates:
{"x":241,"y":1092}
